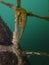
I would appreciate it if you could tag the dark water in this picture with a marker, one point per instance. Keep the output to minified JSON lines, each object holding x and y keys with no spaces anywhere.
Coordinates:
{"x":36,"y":35}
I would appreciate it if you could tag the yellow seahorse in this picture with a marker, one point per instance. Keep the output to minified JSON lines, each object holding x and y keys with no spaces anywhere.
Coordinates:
{"x":22,"y":16}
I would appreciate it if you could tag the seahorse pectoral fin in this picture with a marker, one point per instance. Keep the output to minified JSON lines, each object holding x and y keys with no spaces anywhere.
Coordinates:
{"x":38,"y":16}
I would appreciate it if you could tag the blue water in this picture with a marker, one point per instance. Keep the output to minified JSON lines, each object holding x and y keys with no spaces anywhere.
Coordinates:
{"x":36,"y":35}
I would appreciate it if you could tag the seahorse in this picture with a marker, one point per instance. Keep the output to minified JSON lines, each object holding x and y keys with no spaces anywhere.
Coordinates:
{"x":22,"y":17}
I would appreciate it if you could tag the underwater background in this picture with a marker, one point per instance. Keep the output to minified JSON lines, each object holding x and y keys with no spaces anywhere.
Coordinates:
{"x":36,"y":34}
